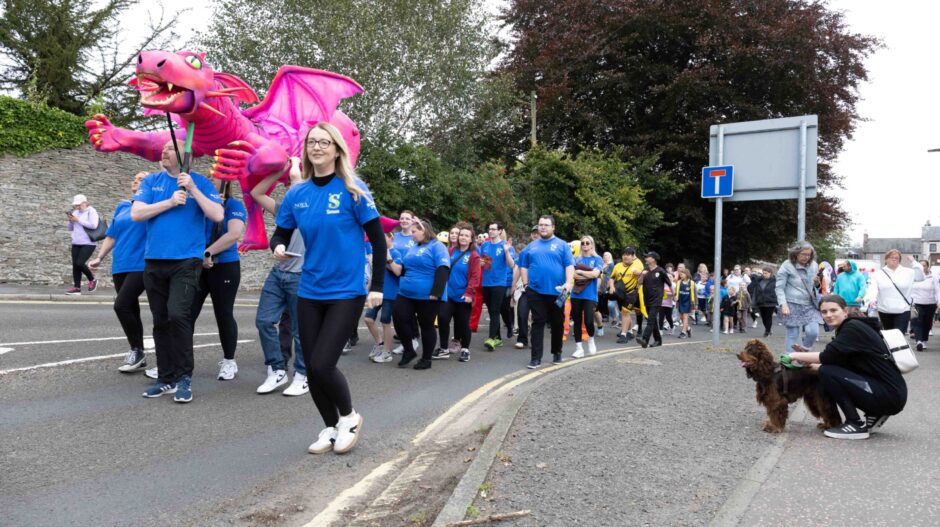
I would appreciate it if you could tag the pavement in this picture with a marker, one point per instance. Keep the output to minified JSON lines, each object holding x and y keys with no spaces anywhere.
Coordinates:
{"x":659,"y":436}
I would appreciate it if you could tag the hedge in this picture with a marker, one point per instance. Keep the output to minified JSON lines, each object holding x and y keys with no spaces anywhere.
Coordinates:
{"x":27,"y":128}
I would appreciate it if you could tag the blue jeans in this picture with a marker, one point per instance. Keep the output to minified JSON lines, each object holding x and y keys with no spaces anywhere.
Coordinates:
{"x":810,"y":334}
{"x":279,"y":293}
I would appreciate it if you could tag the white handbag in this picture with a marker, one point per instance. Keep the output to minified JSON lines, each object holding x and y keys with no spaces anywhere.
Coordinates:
{"x":900,"y":349}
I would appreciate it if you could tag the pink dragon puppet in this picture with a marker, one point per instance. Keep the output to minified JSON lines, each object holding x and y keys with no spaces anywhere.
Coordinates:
{"x":247,"y":145}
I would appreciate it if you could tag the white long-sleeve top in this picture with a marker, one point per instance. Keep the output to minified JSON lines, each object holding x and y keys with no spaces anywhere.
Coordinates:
{"x":891,"y":301}
{"x":927,"y":291}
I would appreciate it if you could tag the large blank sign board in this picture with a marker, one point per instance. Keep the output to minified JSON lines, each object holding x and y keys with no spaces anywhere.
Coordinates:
{"x":766,"y":157}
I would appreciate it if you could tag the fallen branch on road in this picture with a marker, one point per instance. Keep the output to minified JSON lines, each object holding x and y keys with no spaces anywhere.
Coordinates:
{"x":491,"y":518}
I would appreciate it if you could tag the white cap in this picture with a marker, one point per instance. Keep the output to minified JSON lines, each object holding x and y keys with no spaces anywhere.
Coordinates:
{"x":79,"y":199}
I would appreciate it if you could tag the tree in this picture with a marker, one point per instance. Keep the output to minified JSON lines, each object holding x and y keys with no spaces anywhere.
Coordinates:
{"x":653,"y":75}
{"x":66,"y":53}
{"x":419,"y":60}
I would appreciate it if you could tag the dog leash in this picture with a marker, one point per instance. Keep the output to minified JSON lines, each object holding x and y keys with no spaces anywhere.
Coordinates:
{"x":783,"y":376}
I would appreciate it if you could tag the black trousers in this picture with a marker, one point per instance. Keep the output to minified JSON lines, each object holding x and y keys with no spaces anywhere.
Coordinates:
{"x":895,"y":320}
{"x":493,"y":299}
{"x":129,"y":286}
{"x":665,"y":315}
{"x":582,"y":310}
{"x":853,"y":392}
{"x":544,"y":310}
{"x":80,"y":256}
{"x":221,"y":283}
{"x":506,"y":313}
{"x":522,"y":318}
{"x":403,"y":315}
{"x":924,"y":321}
{"x":171,"y":287}
{"x":652,"y":327}
{"x":767,"y":317}
{"x":325,"y":326}
{"x":459,"y":312}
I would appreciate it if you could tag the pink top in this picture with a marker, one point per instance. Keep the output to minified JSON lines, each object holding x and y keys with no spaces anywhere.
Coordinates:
{"x":87,"y":218}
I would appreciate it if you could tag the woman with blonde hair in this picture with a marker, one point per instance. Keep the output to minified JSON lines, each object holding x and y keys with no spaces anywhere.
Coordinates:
{"x":333,"y":209}
{"x":893,"y":284}
{"x":588,"y":266}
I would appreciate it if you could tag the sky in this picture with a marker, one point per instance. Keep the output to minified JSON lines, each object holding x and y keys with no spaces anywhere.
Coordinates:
{"x":888,"y":174}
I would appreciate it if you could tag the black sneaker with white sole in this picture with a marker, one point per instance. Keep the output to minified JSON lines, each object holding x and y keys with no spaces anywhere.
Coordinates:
{"x":848,"y":431}
{"x":874,"y":422}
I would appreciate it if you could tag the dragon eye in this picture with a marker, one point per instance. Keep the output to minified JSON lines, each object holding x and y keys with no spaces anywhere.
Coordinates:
{"x":194,"y":61}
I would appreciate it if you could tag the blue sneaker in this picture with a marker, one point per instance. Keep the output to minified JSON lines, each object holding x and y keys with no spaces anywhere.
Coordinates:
{"x":184,"y":393}
{"x":534,"y":363}
{"x":160,"y":388}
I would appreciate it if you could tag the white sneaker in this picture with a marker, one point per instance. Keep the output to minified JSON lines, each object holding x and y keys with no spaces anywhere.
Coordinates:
{"x":151,"y":373}
{"x":383,"y":357}
{"x":754,"y":325}
{"x":347,"y":347}
{"x":275,"y":379}
{"x":600,"y":331}
{"x":578,"y":351}
{"x":347,"y":432}
{"x":398,"y":350}
{"x":592,"y":347}
{"x":378,"y":348}
{"x":519,"y":345}
{"x":227,"y":369}
{"x":324,"y":442}
{"x":298,"y":387}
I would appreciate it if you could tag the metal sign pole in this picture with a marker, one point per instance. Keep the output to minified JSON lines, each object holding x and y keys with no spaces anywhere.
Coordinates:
{"x":719,"y":205}
{"x":801,"y":206}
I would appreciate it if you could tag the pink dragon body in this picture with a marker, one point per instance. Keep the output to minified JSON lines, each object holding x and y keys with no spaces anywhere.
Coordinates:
{"x":248,"y":145}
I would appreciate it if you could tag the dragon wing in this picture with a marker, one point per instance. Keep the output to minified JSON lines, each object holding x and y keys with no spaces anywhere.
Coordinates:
{"x":299,"y":98}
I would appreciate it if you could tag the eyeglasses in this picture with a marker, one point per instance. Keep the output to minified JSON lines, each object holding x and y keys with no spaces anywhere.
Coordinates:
{"x":585,"y":243}
{"x":322,"y":143}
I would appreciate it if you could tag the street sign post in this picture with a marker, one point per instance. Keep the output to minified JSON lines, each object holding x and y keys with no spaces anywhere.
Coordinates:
{"x":768,"y":159}
{"x":718,"y":182}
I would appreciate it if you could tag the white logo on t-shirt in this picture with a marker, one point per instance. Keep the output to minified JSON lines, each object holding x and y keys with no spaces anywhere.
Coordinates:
{"x":301,"y":205}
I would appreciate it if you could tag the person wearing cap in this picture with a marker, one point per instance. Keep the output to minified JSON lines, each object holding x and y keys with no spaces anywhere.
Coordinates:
{"x":520,"y":299}
{"x":175,"y":206}
{"x":653,"y":283}
{"x":82,"y":216}
{"x":548,"y":274}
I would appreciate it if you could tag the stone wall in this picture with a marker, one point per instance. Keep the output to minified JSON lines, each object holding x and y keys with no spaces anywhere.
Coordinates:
{"x":36,"y":192}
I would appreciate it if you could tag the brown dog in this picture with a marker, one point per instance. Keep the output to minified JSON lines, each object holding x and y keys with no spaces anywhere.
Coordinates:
{"x":777,"y":387}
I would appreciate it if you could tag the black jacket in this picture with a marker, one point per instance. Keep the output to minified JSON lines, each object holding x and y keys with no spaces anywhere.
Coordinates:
{"x":762,"y":291}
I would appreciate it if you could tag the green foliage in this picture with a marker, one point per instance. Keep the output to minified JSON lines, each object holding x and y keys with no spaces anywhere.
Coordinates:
{"x":67,"y":53}
{"x":420,"y":61}
{"x":27,"y":128}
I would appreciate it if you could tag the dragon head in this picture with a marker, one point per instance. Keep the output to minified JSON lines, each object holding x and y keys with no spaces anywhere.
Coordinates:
{"x":183,"y":82}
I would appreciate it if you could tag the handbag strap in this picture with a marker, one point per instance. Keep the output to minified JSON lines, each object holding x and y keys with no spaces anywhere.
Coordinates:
{"x":898,"y":289}
{"x":459,"y":256}
{"x":811,"y":291}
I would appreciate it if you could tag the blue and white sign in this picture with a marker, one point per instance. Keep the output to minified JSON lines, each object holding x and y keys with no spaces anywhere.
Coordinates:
{"x":718,"y":182}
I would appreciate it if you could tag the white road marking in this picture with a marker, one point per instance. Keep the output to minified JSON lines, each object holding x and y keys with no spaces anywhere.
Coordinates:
{"x":5,"y":350}
{"x":99,"y":357}
{"x":146,"y":338}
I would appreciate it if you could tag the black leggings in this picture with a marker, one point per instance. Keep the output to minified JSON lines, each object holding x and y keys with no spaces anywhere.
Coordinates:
{"x":853,"y":392}
{"x":129,"y":286}
{"x":221,"y":282}
{"x":665,"y":315}
{"x":426,"y":310}
{"x":493,"y":299}
{"x":924,"y":321}
{"x":506,"y":312}
{"x":767,"y":317}
{"x":895,"y":320}
{"x":459,"y":312}
{"x":325,"y":326}
{"x":80,"y":256}
{"x":581,"y":308}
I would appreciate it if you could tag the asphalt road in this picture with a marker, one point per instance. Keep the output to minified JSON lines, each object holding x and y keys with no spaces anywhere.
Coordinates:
{"x":80,"y":446}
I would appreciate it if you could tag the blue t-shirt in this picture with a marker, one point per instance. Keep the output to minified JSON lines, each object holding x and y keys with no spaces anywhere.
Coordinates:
{"x":496,"y":274}
{"x":330,"y":221}
{"x":390,"y":286}
{"x":178,"y":233}
{"x":402,"y":242}
{"x":589,"y":292}
{"x":234,"y":210}
{"x":130,"y":237}
{"x":459,"y":274}
{"x":421,"y":261}
{"x":512,"y":252}
{"x":546,"y":261}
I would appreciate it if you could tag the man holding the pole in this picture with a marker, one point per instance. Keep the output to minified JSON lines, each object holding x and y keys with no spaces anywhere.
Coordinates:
{"x":175,"y":206}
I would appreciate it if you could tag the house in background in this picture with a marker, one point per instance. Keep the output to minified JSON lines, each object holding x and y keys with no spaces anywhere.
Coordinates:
{"x":927,"y":246}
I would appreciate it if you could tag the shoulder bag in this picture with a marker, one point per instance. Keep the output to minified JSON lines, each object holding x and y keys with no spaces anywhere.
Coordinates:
{"x":898,"y":289}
